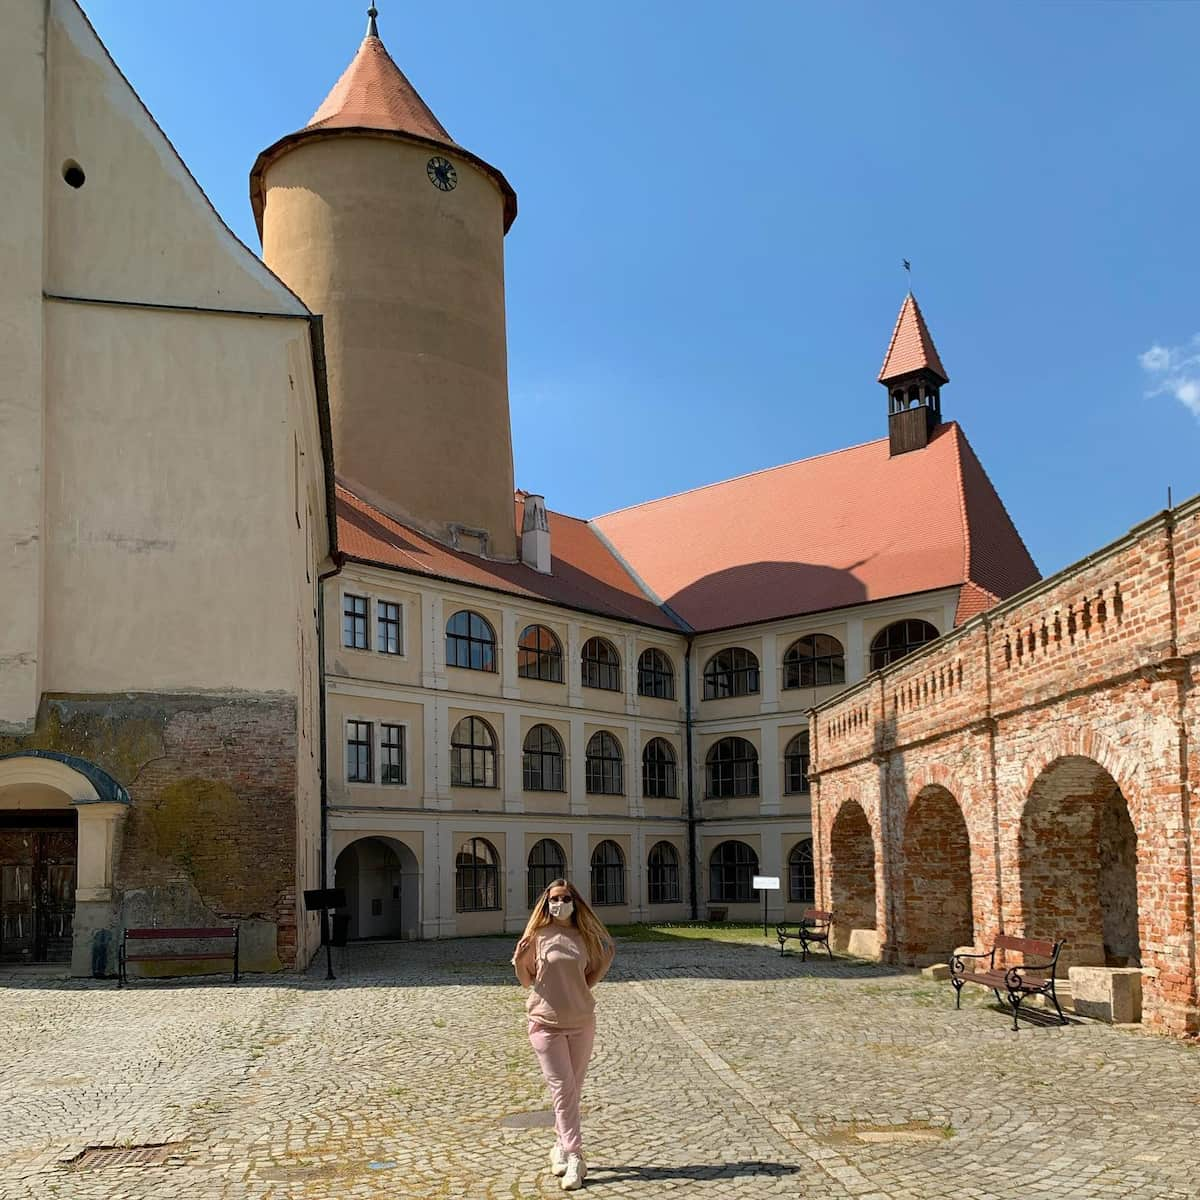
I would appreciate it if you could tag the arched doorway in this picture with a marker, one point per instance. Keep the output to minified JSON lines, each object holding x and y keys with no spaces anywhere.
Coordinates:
{"x":937,"y":879}
{"x":1078,"y":864}
{"x":382,"y":883}
{"x":852,"y":853}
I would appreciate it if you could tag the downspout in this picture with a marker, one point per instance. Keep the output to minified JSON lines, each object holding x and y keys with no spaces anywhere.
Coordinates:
{"x":339,"y":562}
{"x":691,"y":803}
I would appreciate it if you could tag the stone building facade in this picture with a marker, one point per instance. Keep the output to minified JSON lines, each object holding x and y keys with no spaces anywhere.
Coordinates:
{"x":1032,"y":773}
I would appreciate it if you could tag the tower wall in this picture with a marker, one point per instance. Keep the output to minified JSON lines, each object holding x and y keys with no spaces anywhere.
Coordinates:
{"x":410,"y":281}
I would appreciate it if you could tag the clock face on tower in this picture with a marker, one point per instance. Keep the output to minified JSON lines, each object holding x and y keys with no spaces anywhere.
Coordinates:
{"x":441,"y":173}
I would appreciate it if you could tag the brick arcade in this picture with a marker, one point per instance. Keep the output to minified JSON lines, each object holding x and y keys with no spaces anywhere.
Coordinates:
{"x":1031,"y":773}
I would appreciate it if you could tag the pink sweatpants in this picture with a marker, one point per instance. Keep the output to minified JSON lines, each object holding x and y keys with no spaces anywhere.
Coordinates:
{"x":563,"y":1055}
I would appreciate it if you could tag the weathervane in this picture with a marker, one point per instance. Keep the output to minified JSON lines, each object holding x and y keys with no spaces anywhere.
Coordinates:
{"x":908,"y":269}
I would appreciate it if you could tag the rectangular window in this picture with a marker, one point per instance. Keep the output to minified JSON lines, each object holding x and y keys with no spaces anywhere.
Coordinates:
{"x":358,"y":751}
{"x":387,"y":637}
{"x":354,"y":622}
{"x":391,"y":754}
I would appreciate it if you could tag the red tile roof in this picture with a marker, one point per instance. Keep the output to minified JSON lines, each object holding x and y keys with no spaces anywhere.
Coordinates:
{"x":585,"y":575}
{"x":911,"y":347}
{"x":824,"y":533}
{"x":373,"y":93}
{"x":841,"y":529}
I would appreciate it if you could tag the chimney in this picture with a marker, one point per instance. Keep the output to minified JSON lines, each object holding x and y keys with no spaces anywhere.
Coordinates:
{"x":535,"y":534}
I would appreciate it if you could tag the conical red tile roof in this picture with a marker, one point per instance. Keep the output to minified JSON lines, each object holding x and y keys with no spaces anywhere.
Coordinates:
{"x":373,"y":93}
{"x":911,"y":348}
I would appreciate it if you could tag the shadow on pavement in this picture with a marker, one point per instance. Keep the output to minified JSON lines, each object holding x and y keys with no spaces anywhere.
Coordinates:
{"x":731,"y":1170}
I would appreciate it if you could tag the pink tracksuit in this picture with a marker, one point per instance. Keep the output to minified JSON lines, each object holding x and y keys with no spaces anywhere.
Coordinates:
{"x":562,"y":1022}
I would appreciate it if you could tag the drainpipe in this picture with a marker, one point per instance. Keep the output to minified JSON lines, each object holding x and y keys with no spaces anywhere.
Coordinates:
{"x":691,"y":804}
{"x":339,"y":561}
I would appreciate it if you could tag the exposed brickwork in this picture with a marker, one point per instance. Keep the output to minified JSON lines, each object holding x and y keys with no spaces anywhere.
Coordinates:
{"x":1063,"y":730}
{"x":853,"y":857}
{"x":212,"y":828}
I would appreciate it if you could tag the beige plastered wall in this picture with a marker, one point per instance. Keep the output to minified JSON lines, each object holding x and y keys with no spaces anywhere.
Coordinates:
{"x":410,"y":280}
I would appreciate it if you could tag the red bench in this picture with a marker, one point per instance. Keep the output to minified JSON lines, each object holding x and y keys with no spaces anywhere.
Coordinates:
{"x":225,"y":934}
{"x":1020,"y":981}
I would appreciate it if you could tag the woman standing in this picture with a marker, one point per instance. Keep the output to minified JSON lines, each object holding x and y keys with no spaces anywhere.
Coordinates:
{"x":564,"y":952}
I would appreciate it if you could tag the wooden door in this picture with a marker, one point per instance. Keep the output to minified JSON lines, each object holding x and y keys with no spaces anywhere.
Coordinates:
{"x":37,"y":893}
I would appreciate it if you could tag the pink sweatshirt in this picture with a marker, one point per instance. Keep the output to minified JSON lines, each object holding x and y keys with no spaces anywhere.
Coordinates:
{"x":556,"y":970}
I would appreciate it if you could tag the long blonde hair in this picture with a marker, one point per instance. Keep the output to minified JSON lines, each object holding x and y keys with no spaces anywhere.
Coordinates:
{"x":596,"y":937}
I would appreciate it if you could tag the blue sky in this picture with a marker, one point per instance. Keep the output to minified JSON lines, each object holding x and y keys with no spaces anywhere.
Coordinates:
{"x":714,"y":203}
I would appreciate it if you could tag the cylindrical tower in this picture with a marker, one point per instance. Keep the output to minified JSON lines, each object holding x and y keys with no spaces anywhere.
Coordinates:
{"x":394,"y":233}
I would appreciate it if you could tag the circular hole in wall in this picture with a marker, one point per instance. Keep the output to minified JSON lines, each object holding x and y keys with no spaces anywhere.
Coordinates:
{"x":72,"y":172}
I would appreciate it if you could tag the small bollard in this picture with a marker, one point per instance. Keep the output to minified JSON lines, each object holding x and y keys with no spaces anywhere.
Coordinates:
{"x":100,"y":940}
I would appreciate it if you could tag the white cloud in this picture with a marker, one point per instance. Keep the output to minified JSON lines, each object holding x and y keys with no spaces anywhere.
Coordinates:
{"x":1175,"y":371}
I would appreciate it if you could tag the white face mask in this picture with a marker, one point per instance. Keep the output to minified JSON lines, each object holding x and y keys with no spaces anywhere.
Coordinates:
{"x":562,"y":909}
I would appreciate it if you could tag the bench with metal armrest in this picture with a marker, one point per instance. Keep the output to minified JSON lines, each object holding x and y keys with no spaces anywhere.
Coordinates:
{"x":1018,"y":982}
{"x":813,"y":930}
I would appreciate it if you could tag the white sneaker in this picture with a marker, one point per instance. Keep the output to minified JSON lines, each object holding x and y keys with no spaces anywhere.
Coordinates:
{"x":558,"y":1160}
{"x":576,"y":1173}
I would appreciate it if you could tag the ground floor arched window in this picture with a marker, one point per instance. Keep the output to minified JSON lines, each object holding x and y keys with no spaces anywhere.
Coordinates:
{"x":802,"y":880}
{"x":608,"y":874}
{"x":662,"y":874}
{"x":732,"y":868}
{"x":547,"y":862}
{"x":477,"y":877}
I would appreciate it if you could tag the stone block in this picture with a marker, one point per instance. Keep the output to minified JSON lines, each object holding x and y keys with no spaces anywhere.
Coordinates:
{"x":1112,"y":994}
{"x":936,"y":971}
{"x":863,"y":943}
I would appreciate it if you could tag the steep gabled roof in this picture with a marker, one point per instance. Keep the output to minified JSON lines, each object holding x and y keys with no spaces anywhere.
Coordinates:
{"x":585,"y":575}
{"x":841,"y":529}
{"x":373,"y":93}
{"x":911,"y":348}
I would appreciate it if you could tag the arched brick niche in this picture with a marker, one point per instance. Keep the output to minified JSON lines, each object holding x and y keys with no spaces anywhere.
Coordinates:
{"x":937,"y":912}
{"x":852,"y":871}
{"x":1077,"y":855}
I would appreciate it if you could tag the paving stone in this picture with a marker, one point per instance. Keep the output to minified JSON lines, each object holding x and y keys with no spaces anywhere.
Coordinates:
{"x":721,"y":1071}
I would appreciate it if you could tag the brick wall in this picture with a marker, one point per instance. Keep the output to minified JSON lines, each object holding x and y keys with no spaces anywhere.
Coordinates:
{"x":1047,"y":745}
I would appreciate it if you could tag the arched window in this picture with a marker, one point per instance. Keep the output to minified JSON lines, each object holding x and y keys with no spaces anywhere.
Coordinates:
{"x":473,"y":754}
{"x":732,"y":672}
{"x":547,"y":862}
{"x":814,"y":661}
{"x":470,"y":642}
{"x":731,"y":870}
{"x":656,"y":676}
{"x":899,"y":639}
{"x":605,"y":766}
{"x":795,"y":764}
{"x":658,"y":769}
{"x":663,"y":873}
{"x":608,"y":874}
{"x":539,"y":655}
{"x":732,"y":768}
{"x":542,"y":762}
{"x":477,"y":877}
{"x":802,"y":881}
{"x":601,"y":665}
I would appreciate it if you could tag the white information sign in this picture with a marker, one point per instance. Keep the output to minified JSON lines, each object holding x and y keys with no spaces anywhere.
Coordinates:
{"x":768,"y":883}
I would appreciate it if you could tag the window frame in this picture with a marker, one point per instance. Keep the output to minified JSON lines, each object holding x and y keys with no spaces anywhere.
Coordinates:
{"x":797,"y":867}
{"x":602,"y":875}
{"x":473,"y":748}
{"x":560,"y":869}
{"x":599,"y":667}
{"x":664,"y":674}
{"x":668,"y":768}
{"x":802,"y":753}
{"x":489,"y":647}
{"x":552,"y":655}
{"x":726,"y":879}
{"x":382,"y":747}
{"x":605,"y":768}
{"x":527,"y":773}
{"x":368,"y":743}
{"x":490,"y":870}
{"x":743,"y":781}
{"x":364,"y":617}
{"x":884,"y":655}
{"x":382,"y":603}
{"x":666,"y":887}
{"x":831,"y":663}
{"x":718,"y":676}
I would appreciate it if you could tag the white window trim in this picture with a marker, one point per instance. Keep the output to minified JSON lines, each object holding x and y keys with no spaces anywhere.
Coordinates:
{"x":376,"y":599}
{"x":407,"y":764}
{"x":343,"y":592}
{"x":374,"y":723}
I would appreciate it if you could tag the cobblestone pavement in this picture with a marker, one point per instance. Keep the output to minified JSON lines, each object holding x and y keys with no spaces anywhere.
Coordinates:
{"x":720,"y":1071}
